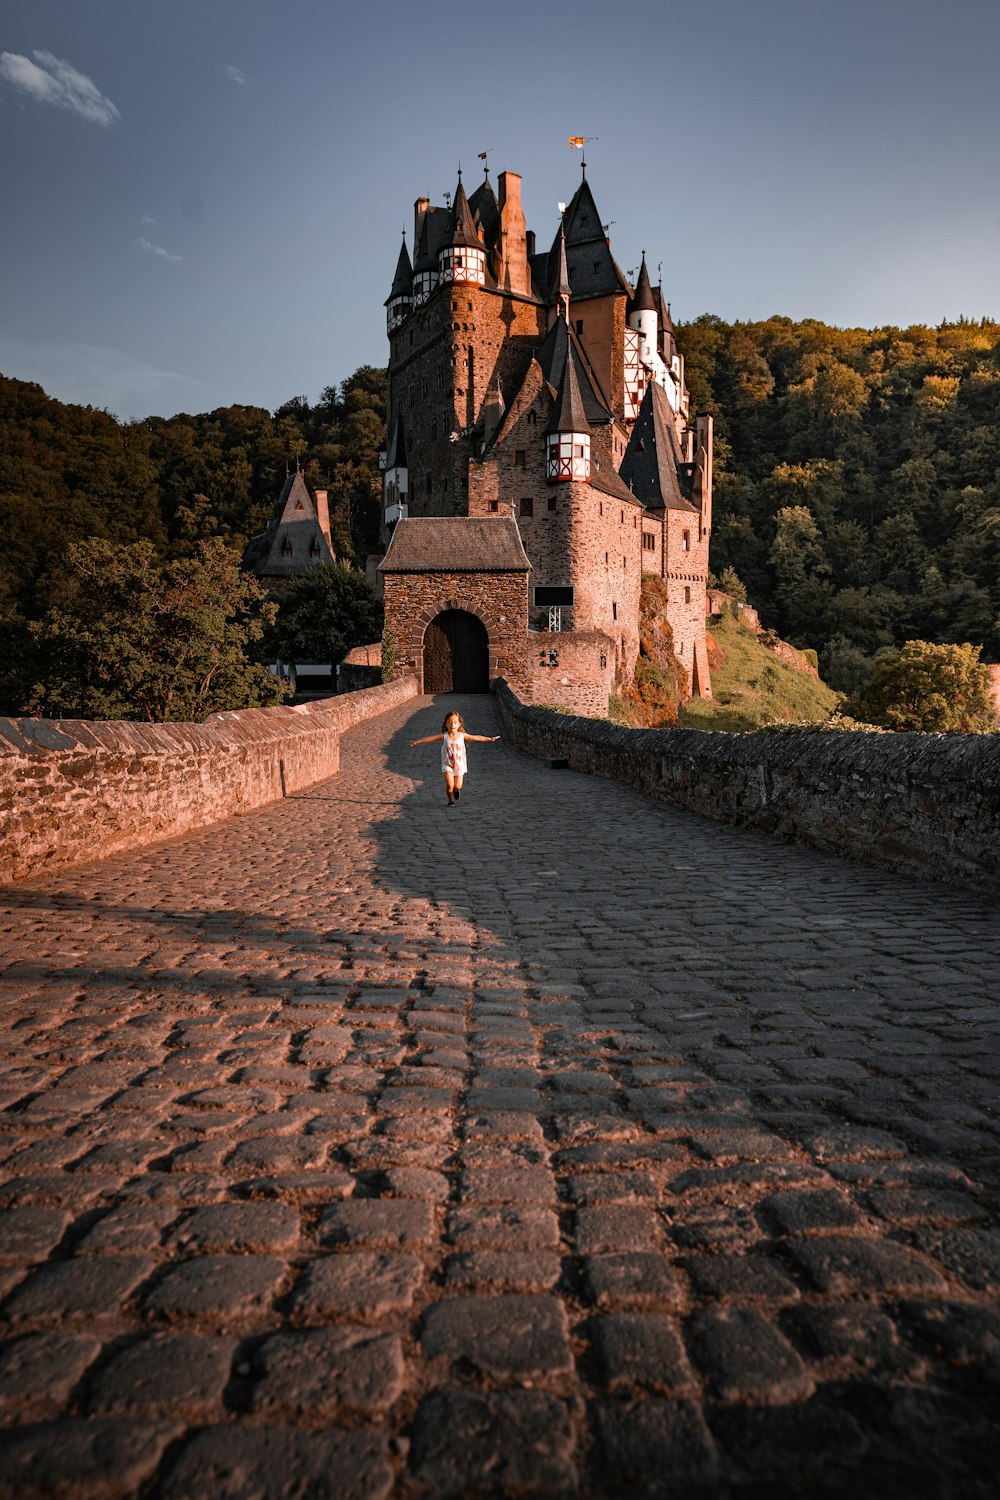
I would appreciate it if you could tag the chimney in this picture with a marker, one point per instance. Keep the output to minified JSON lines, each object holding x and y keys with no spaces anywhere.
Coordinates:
{"x":513,"y":236}
{"x":419,"y":210}
{"x":323,"y":516}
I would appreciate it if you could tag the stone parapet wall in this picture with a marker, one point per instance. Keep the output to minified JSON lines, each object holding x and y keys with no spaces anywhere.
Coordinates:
{"x":73,"y":791}
{"x":582,"y":677}
{"x":921,"y":804}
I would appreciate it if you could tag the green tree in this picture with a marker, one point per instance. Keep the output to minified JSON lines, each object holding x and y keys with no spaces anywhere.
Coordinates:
{"x":136,"y":638}
{"x":934,"y":689}
{"x":323,"y":613}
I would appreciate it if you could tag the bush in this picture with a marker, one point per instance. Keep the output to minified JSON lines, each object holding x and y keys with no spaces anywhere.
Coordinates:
{"x":931,"y":689}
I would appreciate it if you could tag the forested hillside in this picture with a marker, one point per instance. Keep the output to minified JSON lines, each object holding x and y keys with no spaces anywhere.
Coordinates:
{"x":68,"y":472}
{"x":857,"y":480}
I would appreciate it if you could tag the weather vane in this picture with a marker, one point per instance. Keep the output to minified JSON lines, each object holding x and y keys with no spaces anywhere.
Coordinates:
{"x":582,"y":141}
{"x":484,"y":157}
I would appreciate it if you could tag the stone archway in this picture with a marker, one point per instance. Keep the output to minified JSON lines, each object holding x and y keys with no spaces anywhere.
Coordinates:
{"x":456,"y":653}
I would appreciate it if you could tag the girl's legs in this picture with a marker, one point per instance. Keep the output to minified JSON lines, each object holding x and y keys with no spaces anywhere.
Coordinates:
{"x":458,"y":785}
{"x":449,"y":781}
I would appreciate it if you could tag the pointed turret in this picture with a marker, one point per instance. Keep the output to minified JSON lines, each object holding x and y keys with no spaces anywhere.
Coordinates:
{"x":567,"y":434}
{"x":560,"y":278}
{"x":643,"y":300}
{"x":643,"y":317}
{"x":462,"y":257}
{"x":399,"y":302}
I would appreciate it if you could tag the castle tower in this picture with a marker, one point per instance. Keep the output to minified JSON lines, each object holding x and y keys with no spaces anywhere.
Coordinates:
{"x":462,"y":257}
{"x":567,"y":435}
{"x":643,"y":316}
{"x":400,"y":299}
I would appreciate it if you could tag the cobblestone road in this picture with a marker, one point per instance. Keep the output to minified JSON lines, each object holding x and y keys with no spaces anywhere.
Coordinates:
{"x":555,"y":1143}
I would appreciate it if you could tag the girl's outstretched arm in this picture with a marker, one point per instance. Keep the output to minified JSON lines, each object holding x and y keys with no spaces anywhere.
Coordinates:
{"x":429,"y":739}
{"x":483,"y":739}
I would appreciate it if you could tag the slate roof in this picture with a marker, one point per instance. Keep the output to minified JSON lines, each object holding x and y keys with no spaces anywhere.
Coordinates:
{"x":433,"y":234}
{"x":456,"y":544}
{"x":651,"y":466}
{"x":485,"y":207}
{"x":593,"y":271}
{"x":293,"y":520}
{"x":604,"y":478}
{"x":568,"y":413}
{"x":461,"y":228}
{"x":643,"y":300}
{"x":402,"y":282}
{"x":559,"y":345}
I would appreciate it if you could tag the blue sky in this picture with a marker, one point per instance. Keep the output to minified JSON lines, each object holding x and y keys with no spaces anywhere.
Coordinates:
{"x":204,"y":198}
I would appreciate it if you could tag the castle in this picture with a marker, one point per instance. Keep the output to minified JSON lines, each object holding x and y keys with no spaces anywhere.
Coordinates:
{"x":539,"y":458}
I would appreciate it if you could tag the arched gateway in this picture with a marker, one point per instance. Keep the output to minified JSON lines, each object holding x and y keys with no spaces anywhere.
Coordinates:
{"x":456,"y":602}
{"x":456,"y":654}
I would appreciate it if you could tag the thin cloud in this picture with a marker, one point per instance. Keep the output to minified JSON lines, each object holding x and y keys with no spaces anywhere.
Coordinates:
{"x":237,"y":75}
{"x":157,"y":250}
{"x":145,"y":219}
{"x":49,"y":80}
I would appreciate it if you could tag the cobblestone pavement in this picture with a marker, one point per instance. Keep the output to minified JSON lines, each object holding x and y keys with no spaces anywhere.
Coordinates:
{"x":555,"y":1143}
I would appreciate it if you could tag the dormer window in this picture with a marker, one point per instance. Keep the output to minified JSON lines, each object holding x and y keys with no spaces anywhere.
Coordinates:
{"x":567,"y":456}
{"x":286,"y":548}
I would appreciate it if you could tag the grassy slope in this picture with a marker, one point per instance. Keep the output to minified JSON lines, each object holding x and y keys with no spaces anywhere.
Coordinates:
{"x":754,"y":687}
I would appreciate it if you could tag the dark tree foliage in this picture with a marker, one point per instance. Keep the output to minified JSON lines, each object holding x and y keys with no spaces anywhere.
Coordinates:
{"x":323,"y":613}
{"x":69,"y":473}
{"x":857,"y":480}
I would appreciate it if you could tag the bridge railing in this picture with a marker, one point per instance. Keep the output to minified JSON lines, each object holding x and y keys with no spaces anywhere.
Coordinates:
{"x":923,"y":804}
{"x":73,"y":791}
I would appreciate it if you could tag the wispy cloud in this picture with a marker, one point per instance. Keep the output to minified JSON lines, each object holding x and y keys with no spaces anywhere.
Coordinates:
{"x":49,"y":80}
{"x":237,"y":75}
{"x":152,"y":249}
{"x":145,"y":219}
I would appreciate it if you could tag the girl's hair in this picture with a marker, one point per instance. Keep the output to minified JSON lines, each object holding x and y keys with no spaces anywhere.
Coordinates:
{"x":453,"y":714}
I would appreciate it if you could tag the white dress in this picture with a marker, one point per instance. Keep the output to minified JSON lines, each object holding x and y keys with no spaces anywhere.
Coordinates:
{"x":453,"y":754}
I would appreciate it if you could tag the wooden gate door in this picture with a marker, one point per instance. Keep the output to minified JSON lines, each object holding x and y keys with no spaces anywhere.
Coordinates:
{"x":456,"y":654}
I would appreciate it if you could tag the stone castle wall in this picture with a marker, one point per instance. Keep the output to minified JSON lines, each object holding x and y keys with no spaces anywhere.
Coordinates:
{"x":73,"y":791}
{"x":924,"y":805}
{"x":499,"y":600}
{"x":582,"y":677}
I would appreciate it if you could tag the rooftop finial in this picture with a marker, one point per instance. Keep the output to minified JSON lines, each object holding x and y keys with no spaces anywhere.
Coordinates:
{"x":484,"y":157}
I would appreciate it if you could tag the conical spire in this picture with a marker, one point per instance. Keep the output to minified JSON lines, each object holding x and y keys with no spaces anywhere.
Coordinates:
{"x":462,"y":228}
{"x":402,"y":282}
{"x":561,"y":270}
{"x":569,"y":413}
{"x":643,"y":301}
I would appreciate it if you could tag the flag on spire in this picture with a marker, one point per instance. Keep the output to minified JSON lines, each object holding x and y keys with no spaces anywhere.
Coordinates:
{"x":576,"y":140}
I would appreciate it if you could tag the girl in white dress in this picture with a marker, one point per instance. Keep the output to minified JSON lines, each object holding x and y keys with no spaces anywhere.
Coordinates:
{"x":453,"y":759}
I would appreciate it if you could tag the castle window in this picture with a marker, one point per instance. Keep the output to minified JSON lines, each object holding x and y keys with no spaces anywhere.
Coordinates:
{"x":423,"y":386}
{"x":469,"y":306}
{"x":648,"y":542}
{"x":622,"y":522}
{"x":605,"y":559}
{"x":686,"y":541}
{"x":286,"y":548}
{"x":434,"y":428}
{"x":687,"y":595}
{"x":430,"y":483}
{"x":623,"y":562}
{"x":494,"y":505}
{"x":527,"y":507}
{"x":519,"y":458}
{"x":600,"y":507}
{"x":579,"y":325}
{"x":314,"y":548}
{"x":532,"y":418}
{"x":614,"y":611}
{"x":552,"y":502}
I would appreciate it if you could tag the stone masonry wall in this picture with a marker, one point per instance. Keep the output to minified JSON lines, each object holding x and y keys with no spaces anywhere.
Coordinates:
{"x":925,"y":805}
{"x":583,"y":675}
{"x":499,"y":600}
{"x":72,"y":791}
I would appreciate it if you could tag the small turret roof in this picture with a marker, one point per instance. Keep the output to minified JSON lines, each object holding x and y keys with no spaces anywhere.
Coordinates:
{"x":560,"y":270}
{"x":462,"y":228}
{"x":569,"y":413}
{"x":643,"y":300}
{"x":593,"y":271}
{"x":651,"y":466}
{"x":402,"y":282}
